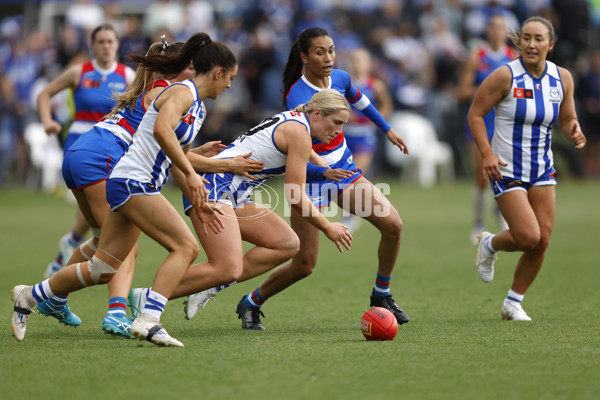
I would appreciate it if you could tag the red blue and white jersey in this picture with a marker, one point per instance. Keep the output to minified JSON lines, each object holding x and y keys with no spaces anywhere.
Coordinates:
{"x":359,"y":124}
{"x":524,"y":119}
{"x":336,"y":152}
{"x":236,"y":189}
{"x":93,"y":96}
{"x":145,"y":161}
{"x":124,"y":123}
{"x":488,"y":60}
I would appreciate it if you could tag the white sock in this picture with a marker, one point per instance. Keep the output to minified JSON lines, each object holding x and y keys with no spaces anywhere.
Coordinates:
{"x":155,"y":304}
{"x":514,"y":296}
{"x":488,"y":244}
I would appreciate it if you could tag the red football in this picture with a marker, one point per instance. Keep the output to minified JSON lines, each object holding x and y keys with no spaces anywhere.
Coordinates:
{"x":377,"y":323}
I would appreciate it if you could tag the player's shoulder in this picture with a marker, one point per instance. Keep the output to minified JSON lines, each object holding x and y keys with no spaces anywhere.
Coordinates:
{"x":340,"y":74}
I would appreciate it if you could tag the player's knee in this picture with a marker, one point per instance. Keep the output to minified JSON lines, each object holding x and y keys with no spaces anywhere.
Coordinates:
{"x":287,"y":245}
{"x":102,"y":272}
{"x":304,"y":266}
{"x":188,"y":249}
{"x":392,"y":228}
{"x":527,"y":240}
{"x":230,"y":275}
{"x":88,"y":248}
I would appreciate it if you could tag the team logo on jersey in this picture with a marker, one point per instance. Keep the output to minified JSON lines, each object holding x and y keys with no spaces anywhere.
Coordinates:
{"x":520,"y":93}
{"x":189,"y":119}
{"x":89,"y":83}
{"x":554,"y":95}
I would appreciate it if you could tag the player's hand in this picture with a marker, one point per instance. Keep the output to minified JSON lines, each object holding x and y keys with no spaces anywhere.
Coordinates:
{"x":338,"y":233}
{"x":209,"y":216}
{"x":241,"y":165}
{"x":490,"y":167}
{"x":210,"y":149}
{"x":577,"y":136}
{"x":53,"y":128}
{"x":397,"y":140}
{"x":337,"y":174}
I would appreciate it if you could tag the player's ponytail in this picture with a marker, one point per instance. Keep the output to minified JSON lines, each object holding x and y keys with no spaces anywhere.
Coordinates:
{"x":293,"y":68}
{"x":200,"y":50}
{"x":144,"y":77}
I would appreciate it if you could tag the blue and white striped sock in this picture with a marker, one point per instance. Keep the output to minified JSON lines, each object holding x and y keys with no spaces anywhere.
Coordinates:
{"x":219,"y":288}
{"x":488,"y":244}
{"x":155,"y":304}
{"x":382,"y":286}
{"x":254,"y":300}
{"x":514,"y":296}
{"x":117,"y":307}
{"x":42,"y":291}
{"x":75,"y":240}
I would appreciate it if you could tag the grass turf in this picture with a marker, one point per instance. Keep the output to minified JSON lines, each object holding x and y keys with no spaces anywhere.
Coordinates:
{"x":455,"y":347}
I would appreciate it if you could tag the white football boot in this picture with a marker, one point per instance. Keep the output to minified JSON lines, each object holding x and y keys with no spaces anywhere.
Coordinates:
{"x":147,"y":327}
{"x":23,"y":306}
{"x":512,"y":311}
{"x":198,"y":301}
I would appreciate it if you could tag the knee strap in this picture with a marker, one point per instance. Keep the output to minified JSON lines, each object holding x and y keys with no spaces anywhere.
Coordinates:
{"x":97,"y":267}
{"x":90,"y":245}
{"x":80,"y":275}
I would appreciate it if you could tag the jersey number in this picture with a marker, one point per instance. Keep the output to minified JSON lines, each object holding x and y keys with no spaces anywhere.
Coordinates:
{"x":263,"y":125}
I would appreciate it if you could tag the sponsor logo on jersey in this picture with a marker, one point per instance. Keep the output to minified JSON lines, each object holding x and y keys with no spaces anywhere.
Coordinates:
{"x":188,"y":119}
{"x":520,"y":93}
{"x":89,"y":83}
{"x":554,"y":95}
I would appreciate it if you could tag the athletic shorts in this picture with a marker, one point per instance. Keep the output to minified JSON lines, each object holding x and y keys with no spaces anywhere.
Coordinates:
{"x":322,"y":192}
{"x":92,"y":157}
{"x":120,"y":190}
{"x":510,"y":184}
{"x":360,"y":139}
{"x":219,"y":190}
{"x":82,"y":168}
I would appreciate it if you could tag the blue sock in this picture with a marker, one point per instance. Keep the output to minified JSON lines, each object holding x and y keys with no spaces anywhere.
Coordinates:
{"x":117,"y":307}
{"x":254,"y":300}
{"x":382,"y":286}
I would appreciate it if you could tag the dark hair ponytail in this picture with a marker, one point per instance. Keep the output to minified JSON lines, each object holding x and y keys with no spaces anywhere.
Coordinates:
{"x":293,"y":67}
{"x":200,"y":50}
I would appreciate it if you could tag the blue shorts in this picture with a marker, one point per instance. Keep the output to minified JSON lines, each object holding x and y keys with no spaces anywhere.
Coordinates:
{"x":120,"y":190}
{"x":510,"y":184}
{"x":82,"y":168}
{"x":322,"y":192}
{"x":90,"y":159}
{"x":361,"y":144}
{"x":219,"y":190}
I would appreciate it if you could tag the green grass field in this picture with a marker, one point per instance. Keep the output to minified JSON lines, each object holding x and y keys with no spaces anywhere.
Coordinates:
{"x":455,"y":346}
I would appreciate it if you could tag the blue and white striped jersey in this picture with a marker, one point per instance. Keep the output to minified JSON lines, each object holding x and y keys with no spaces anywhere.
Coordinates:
{"x":524,"y":117}
{"x":145,"y":161}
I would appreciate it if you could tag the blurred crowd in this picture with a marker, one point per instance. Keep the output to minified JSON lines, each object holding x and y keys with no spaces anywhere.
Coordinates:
{"x":418,"y":47}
